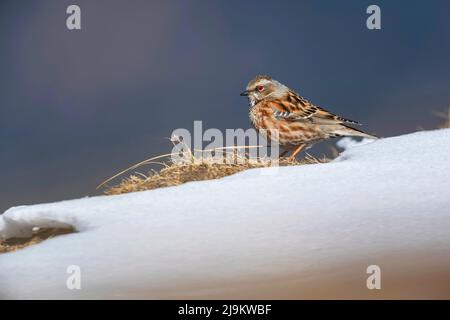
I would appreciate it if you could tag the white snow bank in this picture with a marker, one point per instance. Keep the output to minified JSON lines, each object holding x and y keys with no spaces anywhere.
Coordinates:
{"x":202,"y":238}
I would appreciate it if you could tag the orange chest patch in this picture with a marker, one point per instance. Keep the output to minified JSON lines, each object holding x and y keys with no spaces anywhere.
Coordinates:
{"x":262,"y":117}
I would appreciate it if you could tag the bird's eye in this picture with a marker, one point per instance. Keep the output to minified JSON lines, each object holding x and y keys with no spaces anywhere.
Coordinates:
{"x":260,"y":88}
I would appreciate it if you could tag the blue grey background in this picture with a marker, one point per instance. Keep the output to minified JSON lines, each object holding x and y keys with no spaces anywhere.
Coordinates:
{"x":77,"y":106}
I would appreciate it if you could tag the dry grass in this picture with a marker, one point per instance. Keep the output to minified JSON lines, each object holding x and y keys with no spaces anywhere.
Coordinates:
{"x":445,"y":116}
{"x":193,"y":169}
{"x":39,"y":235}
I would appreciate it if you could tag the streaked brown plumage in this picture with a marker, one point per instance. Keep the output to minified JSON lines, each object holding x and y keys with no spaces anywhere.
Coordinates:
{"x":299,"y":123}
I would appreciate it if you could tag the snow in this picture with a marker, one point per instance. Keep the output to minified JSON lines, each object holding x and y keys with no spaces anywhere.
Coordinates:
{"x":348,"y":142}
{"x":202,"y":239}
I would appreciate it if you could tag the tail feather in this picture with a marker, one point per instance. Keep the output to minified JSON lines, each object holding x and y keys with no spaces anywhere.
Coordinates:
{"x":345,"y":130}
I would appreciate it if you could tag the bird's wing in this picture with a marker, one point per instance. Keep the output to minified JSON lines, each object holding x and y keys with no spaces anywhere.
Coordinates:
{"x":296,"y":108}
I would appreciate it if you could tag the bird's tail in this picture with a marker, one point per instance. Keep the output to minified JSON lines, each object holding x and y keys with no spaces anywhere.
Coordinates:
{"x":345,"y":130}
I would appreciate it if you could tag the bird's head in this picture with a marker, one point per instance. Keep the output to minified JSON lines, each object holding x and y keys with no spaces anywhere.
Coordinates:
{"x":264,"y":88}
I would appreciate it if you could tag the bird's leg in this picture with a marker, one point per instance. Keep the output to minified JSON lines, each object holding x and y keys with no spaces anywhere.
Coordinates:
{"x":299,"y":148}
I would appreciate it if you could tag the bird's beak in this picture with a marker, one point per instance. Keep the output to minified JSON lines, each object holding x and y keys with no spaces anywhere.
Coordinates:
{"x":245,"y":93}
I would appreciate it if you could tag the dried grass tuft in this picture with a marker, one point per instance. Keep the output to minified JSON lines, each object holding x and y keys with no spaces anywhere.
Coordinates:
{"x":445,"y":116}
{"x":39,"y":235}
{"x":194,"y":168}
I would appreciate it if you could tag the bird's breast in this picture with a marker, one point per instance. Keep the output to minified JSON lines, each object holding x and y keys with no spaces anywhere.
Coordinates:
{"x":289,"y":132}
{"x":262,"y":117}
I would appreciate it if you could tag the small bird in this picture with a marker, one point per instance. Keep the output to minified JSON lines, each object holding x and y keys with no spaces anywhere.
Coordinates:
{"x":299,"y":123}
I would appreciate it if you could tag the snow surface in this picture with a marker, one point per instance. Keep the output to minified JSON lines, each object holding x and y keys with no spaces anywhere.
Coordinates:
{"x":386,"y":196}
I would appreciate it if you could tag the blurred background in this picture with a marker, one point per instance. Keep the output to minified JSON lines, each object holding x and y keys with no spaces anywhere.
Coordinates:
{"x":78,"y":106}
